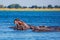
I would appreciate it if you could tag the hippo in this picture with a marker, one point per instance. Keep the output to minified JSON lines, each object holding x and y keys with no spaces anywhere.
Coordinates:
{"x":20,"y":25}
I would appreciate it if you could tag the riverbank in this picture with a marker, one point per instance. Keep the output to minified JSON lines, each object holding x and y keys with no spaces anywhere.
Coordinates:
{"x":30,"y":9}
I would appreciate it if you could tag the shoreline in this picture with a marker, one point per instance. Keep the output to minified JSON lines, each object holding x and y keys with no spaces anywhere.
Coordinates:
{"x":30,"y":9}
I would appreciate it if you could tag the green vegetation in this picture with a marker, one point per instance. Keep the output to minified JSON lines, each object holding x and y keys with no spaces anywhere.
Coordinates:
{"x":56,"y":6}
{"x":33,"y":6}
{"x":1,"y":6}
{"x":49,"y":6}
{"x":14,"y":6}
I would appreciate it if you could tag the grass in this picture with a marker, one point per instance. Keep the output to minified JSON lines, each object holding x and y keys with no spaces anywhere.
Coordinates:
{"x":30,"y":9}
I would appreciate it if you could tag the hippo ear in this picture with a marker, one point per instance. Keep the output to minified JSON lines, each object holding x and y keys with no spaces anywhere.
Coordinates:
{"x":16,"y":19}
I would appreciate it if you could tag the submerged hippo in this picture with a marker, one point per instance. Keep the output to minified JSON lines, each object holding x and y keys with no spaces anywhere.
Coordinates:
{"x":23,"y":26}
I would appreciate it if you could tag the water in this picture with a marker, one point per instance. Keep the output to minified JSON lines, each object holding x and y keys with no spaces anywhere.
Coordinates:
{"x":49,"y":18}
